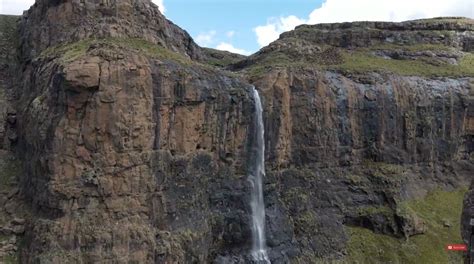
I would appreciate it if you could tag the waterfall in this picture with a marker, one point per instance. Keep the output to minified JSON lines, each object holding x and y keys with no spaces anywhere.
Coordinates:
{"x":259,"y":245}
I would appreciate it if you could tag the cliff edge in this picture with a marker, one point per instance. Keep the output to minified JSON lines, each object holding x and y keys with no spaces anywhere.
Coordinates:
{"x":132,"y":142}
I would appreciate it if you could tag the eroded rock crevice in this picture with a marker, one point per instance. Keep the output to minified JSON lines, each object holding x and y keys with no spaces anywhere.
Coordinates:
{"x":132,"y":142}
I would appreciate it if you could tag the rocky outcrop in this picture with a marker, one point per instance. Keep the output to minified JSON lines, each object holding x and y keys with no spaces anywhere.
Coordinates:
{"x":449,"y":31}
{"x":133,"y":146}
{"x":135,"y":150}
{"x":365,"y":146}
{"x":50,"y":23}
{"x":13,"y":211}
{"x":129,"y":148}
{"x":352,"y":135}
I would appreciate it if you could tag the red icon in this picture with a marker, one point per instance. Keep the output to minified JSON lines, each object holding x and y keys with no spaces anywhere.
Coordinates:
{"x":456,"y":247}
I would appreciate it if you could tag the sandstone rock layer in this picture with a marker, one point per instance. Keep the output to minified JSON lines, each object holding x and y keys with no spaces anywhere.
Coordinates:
{"x":134,"y":146}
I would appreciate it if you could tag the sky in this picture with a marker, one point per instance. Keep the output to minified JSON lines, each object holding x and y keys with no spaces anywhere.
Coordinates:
{"x":245,"y":26}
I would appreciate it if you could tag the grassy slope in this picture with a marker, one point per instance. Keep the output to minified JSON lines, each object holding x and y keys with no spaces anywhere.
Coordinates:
{"x":436,"y":209}
{"x":72,"y":51}
{"x":362,"y":60}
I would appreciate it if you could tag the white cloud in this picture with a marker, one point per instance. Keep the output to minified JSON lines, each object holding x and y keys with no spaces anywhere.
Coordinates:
{"x":389,"y":10}
{"x":229,"y":47}
{"x":230,"y":34}
{"x":16,"y":7}
{"x":366,"y":10}
{"x":206,"y":38}
{"x":160,"y":5}
{"x":274,"y":27}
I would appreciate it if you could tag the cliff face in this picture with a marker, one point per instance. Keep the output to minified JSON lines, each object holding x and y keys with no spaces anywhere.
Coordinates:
{"x":363,"y":118}
{"x":13,"y":210}
{"x":467,"y":218}
{"x":364,"y":149}
{"x":134,"y":149}
{"x":131,"y":145}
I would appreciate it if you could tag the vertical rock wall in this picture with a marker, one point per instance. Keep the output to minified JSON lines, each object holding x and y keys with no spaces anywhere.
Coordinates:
{"x":134,"y":151}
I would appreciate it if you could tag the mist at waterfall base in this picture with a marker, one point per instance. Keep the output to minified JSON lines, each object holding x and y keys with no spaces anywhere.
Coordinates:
{"x":257,"y":172}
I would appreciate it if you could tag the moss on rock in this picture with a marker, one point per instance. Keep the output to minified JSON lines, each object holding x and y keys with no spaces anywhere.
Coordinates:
{"x":363,"y":61}
{"x":435,"y":209}
{"x":72,"y":51}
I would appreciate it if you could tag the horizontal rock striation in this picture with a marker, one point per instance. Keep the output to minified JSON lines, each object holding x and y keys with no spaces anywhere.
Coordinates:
{"x":134,"y":146}
{"x":356,"y":128}
{"x":368,"y":141}
{"x":131,"y":151}
{"x":456,"y":32}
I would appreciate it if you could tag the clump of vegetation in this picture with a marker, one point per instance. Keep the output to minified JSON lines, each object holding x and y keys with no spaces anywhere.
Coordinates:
{"x":295,"y":194}
{"x":306,"y":222}
{"x":67,"y":52}
{"x":384,"y":168}
{"x":10,"y":259}
{"x":179,"y":245}
{"x":435,"y":210}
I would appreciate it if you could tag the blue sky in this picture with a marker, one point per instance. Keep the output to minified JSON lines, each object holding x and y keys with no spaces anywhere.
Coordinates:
{"x":244,"y":26}
{"x":233,"y":21}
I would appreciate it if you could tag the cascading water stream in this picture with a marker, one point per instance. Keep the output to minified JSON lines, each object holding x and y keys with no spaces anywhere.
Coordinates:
{"x":259,"y":245}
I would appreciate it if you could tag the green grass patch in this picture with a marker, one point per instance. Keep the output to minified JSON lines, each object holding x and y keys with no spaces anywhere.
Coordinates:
{"x":67,"y":52}
{"x":363,"y":61}
{"x":72,"y":51}
{"x":384,"y":168}
{"x":413,"y":48}
{"x":435,"y":209}
{"x":118,"y":48}
{"x":10,"y":259}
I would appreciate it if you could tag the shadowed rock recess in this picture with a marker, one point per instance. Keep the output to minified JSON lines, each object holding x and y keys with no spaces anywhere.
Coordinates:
{"x":122,"y":141}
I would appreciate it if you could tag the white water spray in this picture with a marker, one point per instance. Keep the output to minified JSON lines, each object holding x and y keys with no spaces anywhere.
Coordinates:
{"x":259,"y":245}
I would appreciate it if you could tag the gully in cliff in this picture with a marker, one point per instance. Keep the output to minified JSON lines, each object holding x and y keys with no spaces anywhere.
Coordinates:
{"x":256,"y":173}
{"x":127,"y":142}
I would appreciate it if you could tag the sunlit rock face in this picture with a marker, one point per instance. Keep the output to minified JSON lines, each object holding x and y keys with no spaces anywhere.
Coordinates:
{"x":133,"y":149}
